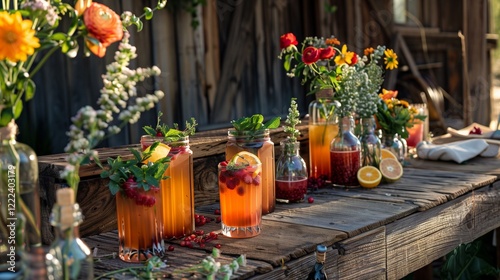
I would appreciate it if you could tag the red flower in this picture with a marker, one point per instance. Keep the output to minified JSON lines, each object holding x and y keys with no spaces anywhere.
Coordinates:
{"x":310,"y":55}
{"x":287,"y":40}
{"x":104,"y":25}
{"x":326,"y":53}
{"x":354,"y":59}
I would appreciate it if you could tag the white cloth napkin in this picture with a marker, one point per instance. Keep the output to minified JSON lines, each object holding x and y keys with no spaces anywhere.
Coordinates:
{"x":458,"y":151}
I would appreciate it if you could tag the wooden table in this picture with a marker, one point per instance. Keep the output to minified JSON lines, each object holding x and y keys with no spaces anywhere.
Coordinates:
{"x":382,"y":233}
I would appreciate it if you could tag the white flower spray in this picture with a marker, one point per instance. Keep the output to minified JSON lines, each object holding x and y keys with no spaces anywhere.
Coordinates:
{"x":118,"y":97}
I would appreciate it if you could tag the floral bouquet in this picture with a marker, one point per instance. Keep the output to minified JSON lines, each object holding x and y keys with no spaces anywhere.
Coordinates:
{"x":356,"y":80}
{"x":394,"y":116}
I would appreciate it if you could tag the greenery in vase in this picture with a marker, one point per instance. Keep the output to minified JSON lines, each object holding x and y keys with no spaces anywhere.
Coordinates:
{"x":394,"y":116}
{"x":356,"y":80}
{"x":170,"y":134}
{"x":291,"y":121}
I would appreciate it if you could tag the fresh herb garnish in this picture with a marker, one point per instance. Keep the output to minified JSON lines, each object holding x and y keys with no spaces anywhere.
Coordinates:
{"x":144,"y":174}
{"x":255,"y":123}
{"x":168,"y":133}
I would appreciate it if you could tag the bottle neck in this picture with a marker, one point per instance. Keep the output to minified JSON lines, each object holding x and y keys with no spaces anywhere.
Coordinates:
{"x":290,"y":148}
{"x":8,"y":133}
{"x":66,"y":220}
{"x":320,"y":257}
{"x":368,"y":125}
{"x":347,"y":124}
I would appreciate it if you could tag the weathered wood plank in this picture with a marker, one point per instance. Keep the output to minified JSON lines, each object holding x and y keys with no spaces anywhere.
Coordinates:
{"x":417,"y":240}
{"x":479,"y":165}
{"x":341,"y":213}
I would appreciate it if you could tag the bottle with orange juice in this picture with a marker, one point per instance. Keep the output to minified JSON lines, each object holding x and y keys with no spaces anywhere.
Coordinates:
{"x":323,"y":127}
{"x":251,"y":134}
{"x":177,"y":211}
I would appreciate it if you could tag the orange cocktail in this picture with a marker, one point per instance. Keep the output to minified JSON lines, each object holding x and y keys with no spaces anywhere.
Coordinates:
{"x":262,"y":146}
{"x":320,"y":137}
{"x":139,"y":229}
{"x":177,"y":211}
{"x":415,"y":134}
{"x":240,"y":200}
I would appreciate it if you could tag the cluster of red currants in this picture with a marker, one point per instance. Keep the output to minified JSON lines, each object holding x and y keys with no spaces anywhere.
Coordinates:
{"x":140,"y":199}
{"x":316,"y":182}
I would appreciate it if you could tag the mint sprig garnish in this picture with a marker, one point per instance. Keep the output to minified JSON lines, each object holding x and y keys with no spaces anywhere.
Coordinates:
{"x":255,"y":123}
{"x":170,"y":133}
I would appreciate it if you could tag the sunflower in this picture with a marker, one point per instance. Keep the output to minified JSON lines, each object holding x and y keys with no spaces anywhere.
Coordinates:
{"x":391,"y":59}
{"x":17,"y":38}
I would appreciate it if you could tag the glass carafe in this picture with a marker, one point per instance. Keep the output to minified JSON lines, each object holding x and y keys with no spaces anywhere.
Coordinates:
{"x":291,"y":173}
{"x":345,"y":155}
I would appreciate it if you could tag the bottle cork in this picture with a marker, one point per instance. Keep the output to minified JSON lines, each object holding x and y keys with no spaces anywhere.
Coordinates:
{"x":65,"y":198}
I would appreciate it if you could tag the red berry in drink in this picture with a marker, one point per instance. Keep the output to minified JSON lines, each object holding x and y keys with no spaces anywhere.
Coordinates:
{"x":247,"y":179}
{"x":240,"y":190}
{"x":256,"y":180}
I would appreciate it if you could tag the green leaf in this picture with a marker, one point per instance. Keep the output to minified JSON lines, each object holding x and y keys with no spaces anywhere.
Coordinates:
{"x":6,"y":116}
{"x":114,"y":188}
{"x":59,"y":36}
{"x":17,"y":109}
{"x":149,"y":130}
{"x":29,"y":87}
{"x":273,"y":123}
{"x":148,"y":12}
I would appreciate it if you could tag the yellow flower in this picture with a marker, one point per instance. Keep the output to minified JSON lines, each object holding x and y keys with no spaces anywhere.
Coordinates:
{"x":344,"y":57}
{"x":17,"y":38}
{"x":391,"y":59}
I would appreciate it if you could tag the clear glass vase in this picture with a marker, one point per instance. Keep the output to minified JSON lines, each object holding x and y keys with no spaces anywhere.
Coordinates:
{"x":261,"y":145}
{"x":20,"y":201}
{"x":291,"y":173}
{"x":345,"y":155}
{"x":323,"y":127}
{"x":370,"y":143}
{"x":395,"y":144}
{"x":177,"y":203}
{"x":69,"y":257}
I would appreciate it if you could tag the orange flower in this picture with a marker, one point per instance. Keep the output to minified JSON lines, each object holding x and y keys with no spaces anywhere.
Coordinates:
{"x":104,"y":25}
{"x":82,"y":5}
{"x":388,"y":94}
{"x":368,"y":51}
{"x":332,"y":41}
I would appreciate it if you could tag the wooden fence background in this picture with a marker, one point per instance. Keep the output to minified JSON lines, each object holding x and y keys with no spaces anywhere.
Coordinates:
{"x":227,"y":67}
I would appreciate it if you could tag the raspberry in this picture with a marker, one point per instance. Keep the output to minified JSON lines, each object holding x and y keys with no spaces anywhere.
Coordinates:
{"x":310,"y":199}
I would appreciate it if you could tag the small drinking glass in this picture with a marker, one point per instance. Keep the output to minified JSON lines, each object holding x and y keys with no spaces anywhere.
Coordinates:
{"x":420,"y":129}
{"x":240,"y":192}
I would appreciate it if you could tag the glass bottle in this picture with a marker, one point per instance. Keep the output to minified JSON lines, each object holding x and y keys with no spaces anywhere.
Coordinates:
{"x":345,"y":155}
{"x":291,"y":173}
{"x":261,"y":145}
{"x":318,"y":271}
{"x":68,"y":256}
{"x":177,"y":191}
{"x":370,"y":143}
{"x":393,"y":143}
{"x":20,"y":201}
{"x":323,"y":127}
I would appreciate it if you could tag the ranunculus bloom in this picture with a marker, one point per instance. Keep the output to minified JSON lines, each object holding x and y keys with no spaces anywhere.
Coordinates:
{"x":104,"y":25}
{"x":326,"y":53}
{"x":310,"y":55}
{"x":287,"y":40}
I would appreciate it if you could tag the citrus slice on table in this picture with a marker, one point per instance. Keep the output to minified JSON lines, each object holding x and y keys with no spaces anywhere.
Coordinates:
{"x":369,"y":177}
{"x":244,"y":158}
{"x":161,"y":151}
{"x":386,"y":153}
{"x":391,"y":169}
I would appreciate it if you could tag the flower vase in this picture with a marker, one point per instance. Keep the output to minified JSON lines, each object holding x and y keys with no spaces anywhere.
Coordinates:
{"x":394,"y":143}
{"x":345,"y":155}
{"x":68,"y":256}
{"x":291,"y":173}
{"x":139,"y":226}
{"x":262,"y":146}
{"x":20,"y":201}
{"x":370,"y":143}
{"x":177,"y":209}
{"x":323,"y":127}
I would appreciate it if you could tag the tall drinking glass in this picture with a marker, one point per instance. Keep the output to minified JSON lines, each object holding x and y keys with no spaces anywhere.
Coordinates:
{"x":177,"y":209}
{"x":240,"y":200}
